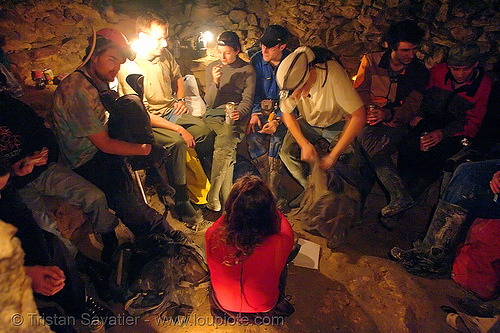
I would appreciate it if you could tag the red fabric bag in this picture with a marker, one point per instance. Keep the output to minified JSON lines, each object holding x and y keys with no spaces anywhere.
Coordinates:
{"x":477,"y":264}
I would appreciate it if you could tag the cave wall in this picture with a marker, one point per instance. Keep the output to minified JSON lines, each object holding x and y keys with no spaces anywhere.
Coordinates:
{"x":53,"y":33}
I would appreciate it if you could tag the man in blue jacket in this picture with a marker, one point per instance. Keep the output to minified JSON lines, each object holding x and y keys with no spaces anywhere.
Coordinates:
{"x":265,"y":129}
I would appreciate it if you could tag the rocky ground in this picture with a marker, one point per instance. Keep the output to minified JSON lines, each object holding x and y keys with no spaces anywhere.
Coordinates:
{"x":356,"y":289}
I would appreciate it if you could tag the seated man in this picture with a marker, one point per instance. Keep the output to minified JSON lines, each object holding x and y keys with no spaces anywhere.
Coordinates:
{"x":469,"y":194}
{"x":265,"y":124}
{"x":80,"y":122}
{"x":32,"y":150}
{"x":451,"y":113}
{"x":324,"y":96}
{"x":51,"y":268}
{"x":392,"y":82}
{"x":229,"y":79}
{"x":173,"y":128}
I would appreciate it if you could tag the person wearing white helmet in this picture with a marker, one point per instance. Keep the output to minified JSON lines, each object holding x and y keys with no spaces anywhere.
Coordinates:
{"x":79,"y":119}
{"x":328,"y":105}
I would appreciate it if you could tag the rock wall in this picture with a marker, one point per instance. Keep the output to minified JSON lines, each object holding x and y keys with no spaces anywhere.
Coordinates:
{"x":53,"y":33}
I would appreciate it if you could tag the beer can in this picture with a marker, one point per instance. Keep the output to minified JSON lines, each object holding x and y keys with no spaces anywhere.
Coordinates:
{"x":229,"y":110}
{"x":370,"y":109}
{"x":422,"y":147}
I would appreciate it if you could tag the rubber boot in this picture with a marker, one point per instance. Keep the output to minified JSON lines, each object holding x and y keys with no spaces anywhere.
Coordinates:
{"x":444,"y":229}
{"x":388,"y":175}
{"x":184,"y":210}
{"x":262,"y":163}
{"x":221,"y":163}
{"x":110,"y":243}
{"x":275,"y":173}
{"x":435,"y":253}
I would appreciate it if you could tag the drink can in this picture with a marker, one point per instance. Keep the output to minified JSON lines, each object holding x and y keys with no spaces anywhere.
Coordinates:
{"x":495,"y":198}
{"x":49,"y":75}
{"x":422,"y":147}
{"x":229,"y":110}
{"x":370,"y":109}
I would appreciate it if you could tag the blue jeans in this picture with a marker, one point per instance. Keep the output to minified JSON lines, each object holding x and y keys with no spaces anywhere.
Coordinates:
{"x":257,"y":142}
{"x":290,"y":151}
{"x":469,"y":188}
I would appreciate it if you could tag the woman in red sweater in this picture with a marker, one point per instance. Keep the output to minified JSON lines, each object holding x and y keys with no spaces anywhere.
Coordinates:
{"x":247,"y":251}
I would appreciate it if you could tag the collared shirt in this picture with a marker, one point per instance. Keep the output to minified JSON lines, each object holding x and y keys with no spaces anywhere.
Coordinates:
{"x":159,"y":75}
{"x":326,"y":104}
{"x":265,"y":84}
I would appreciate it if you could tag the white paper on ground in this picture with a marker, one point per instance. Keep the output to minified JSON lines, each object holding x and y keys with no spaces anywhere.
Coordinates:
{"x":308,"y":255}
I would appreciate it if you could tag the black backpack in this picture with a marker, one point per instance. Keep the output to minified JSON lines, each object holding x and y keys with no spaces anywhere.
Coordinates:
{"x":158,"y":275}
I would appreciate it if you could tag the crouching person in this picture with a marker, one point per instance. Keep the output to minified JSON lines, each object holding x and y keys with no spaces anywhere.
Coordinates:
{"x":247,"y":251}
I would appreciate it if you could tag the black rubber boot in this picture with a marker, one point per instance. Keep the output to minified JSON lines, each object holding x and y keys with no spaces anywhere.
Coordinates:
{"x":110,"y":243}
{"x":388,"y":175}
{"x":184,"y":210}
{"x":435,"y":253}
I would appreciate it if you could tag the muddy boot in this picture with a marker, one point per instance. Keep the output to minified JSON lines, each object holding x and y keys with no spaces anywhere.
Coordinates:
{"x":220,"y":165}
{"x":275,"y":173}
{"x":110,"y":243}
{"x":262,"y":163}
{"x":164,"y":191}
{"x":389,"y":177}
{"x":435,"y":253}
{"x":184,"y":210}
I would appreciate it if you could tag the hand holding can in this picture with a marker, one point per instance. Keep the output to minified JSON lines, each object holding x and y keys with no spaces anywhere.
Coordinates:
{"x":230,"y":109}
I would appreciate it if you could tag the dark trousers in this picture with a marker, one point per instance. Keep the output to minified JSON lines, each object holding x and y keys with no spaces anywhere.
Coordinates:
{"x":42,"y":248}
{"x":111,"y":175}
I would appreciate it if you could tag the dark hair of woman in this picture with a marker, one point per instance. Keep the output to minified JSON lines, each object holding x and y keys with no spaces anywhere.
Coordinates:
{"x":251,"y":216}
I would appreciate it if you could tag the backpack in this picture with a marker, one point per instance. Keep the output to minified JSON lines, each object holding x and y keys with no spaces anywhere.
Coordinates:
{"x":158,"y":275}
{"x":477,"y":264}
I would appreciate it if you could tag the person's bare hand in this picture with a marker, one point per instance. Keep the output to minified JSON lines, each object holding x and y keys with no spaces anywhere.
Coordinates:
{"x":269,"y":127}
{"x":187,"y":137}
{"x":432,"y":139}
{"x":414,"y":122}
{"x":374,"y":116}
{"x":254,"y":120}
{"x":46,"y":280}
{"x":327,"y":162}
{"x":235,"y":115}
{"x":308,"y":153}
{"x":216,"y":74}
{"x":495,"y":183}
{"x":180,"y":108}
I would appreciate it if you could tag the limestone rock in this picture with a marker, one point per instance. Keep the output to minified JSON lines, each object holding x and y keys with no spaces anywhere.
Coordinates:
{"x":17,"y":305}
{"x":237,"y":15}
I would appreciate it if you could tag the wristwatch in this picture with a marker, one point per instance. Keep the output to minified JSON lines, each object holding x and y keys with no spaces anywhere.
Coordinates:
{"x":183,"y":100}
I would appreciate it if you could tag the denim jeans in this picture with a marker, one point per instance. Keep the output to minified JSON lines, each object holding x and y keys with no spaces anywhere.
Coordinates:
{"x":258,"y":142}
{"x":469,"y":188}
{"x":290,"y":151}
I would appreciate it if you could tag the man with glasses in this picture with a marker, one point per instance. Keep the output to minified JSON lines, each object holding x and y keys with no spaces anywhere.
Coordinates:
{"x":173,"y":127}
{"x":265,"y":130}
{"x":391,"y":84}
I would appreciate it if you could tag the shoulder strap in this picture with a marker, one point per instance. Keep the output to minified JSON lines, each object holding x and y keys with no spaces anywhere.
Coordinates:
{"x":88,"y":79}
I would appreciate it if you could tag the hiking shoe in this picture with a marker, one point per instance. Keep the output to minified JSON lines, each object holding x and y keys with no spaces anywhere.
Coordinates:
{"x":188,"y":215}
{"x":97,"y":311}
{"x":396,"y":207}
